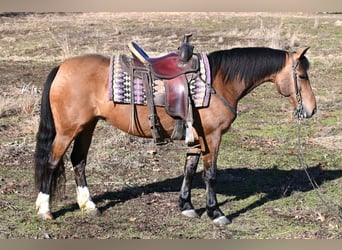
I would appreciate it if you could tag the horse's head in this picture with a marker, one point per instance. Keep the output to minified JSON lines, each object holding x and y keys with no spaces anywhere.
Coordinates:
{"x":293,"y":81}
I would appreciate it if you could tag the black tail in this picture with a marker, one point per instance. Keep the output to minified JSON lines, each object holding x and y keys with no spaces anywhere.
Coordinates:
{"x":45,"y":136}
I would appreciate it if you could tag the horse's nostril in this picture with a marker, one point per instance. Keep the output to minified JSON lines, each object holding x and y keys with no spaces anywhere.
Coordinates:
{"x":314,"y":111}
{"x":305,"y":113}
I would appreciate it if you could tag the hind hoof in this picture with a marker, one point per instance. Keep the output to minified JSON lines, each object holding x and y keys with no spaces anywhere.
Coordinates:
{"x":46,"y":215}
{"x":93,"y":212}
{"x":222,"y":220}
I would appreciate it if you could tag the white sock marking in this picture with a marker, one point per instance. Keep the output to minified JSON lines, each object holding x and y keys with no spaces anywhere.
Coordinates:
{"x":83,"y":198}
{"x":42,"y":203}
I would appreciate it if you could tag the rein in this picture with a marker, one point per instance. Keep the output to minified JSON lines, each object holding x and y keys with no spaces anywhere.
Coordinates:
{"x":224,"y":101}
{"x":332,"y":206}
{"x":299,"y":110}
{"x":302,"y":161}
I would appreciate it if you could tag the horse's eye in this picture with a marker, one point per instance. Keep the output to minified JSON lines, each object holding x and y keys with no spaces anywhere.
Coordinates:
{"x":303,"y":77}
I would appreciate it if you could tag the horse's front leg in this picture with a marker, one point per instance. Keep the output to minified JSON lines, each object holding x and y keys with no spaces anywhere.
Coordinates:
{"x":190,"y":167}
{"x":209,"y":177}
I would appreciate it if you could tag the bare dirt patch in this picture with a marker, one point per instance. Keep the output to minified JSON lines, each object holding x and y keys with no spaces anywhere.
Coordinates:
{"x":134,"y":183}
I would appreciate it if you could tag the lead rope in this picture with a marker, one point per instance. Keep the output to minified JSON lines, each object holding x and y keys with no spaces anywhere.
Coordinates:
{"x":301,"y":158}
{"x":336,"y":208}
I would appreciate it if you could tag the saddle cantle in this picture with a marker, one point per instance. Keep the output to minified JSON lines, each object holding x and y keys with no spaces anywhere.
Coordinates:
{"x":165,"y":67}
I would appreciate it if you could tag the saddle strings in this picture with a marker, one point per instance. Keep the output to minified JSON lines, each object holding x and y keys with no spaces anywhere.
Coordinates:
{"x":332,"y":206}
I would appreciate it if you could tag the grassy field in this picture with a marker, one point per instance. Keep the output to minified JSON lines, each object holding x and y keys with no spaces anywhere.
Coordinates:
{"x":261,"y":185}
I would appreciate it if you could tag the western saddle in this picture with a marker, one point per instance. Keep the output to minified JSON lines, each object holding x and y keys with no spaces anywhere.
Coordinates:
{"x":173,"y":69}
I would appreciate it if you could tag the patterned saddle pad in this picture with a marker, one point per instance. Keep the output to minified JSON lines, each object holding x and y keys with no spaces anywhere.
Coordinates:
{"x":122,"y":86}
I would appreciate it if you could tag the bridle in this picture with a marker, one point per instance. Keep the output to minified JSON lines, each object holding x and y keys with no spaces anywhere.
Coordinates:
{"x":298,"y":113}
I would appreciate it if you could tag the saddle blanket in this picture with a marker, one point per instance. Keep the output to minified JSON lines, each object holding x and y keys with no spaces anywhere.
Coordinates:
{"x":122,"y":87}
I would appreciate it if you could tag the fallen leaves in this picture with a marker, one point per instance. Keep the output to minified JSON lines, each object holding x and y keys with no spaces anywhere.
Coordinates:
{"x":320,"y":217}
{"x":7,"y":205}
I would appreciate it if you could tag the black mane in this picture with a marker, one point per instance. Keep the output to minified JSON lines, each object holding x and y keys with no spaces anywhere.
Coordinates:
{"x":246,"y":64}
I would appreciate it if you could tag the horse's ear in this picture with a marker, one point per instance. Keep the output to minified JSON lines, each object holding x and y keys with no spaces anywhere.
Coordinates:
{"x":301,"y":53}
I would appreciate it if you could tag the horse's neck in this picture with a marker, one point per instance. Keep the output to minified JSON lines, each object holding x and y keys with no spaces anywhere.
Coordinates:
{"x":243,"y":88}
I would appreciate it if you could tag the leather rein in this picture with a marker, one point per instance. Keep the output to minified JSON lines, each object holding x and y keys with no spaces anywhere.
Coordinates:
{"x":298,"y":113}
{"x":224,"y":102}
{"x":332,"y":206}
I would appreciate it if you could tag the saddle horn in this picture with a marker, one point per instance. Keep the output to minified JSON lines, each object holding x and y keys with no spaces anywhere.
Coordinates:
{"x":186,"y":49}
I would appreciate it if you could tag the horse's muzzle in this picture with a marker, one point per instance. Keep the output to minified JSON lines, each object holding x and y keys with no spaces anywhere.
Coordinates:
{"x":303,"y":112}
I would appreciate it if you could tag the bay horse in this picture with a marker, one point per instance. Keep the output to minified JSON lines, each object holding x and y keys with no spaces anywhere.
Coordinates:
{"x":75,"y":97}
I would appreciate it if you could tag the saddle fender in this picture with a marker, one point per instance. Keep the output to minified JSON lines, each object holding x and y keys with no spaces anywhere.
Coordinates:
{"x":176,"y":97}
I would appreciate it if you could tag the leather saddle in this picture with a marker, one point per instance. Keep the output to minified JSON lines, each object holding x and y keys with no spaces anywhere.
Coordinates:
{"x":172,"y":69}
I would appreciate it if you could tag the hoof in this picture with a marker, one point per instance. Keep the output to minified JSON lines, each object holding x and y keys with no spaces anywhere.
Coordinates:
{"x":46,"y":215}
{"x":93,"y":212}
{"x":222,"y":220}
{"x":191,"y":213}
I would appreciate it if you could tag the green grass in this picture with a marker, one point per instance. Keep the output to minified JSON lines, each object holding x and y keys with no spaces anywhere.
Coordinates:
{"x":261,"y":186}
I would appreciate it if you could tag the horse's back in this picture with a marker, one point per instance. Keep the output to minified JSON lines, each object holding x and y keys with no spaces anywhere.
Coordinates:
{"x":87,"y":58}
{"x":82,"y":74}
{"x":89,"y":64}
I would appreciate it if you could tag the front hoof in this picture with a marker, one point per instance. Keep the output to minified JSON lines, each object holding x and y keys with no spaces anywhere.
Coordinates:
{"x":46,"y":215}
{"x":191,"y":213}
{"x":222,"y":220}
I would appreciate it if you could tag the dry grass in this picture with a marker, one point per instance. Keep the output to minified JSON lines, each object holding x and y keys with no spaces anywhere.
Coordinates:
{"x":21,"y":101}
{"x":137,"y":185}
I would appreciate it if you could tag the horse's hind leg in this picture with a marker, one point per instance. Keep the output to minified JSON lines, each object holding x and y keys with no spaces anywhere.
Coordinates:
{"x":79,"y":160}
{"x":48,"y":177}
{"x":190,"y":167}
